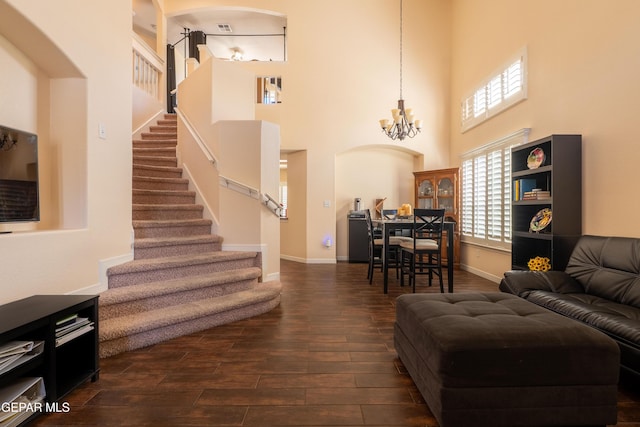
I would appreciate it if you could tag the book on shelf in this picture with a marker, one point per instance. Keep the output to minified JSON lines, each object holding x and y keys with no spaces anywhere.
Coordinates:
{"x":20,"y":400}
{"x":15,"y":347}
{"x":7,"y":363}
{"x":74,"y":333}
{"x":66,"y":321}
{"x":522,"y":186}
{"x":536,"y":195}
{"x":76,"y":323}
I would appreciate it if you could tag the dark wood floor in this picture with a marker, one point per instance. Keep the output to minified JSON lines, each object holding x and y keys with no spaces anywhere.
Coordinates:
{"x":324,"y":357}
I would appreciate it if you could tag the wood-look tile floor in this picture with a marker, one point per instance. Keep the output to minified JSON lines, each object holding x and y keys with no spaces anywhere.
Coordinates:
{"x":324,"y":357}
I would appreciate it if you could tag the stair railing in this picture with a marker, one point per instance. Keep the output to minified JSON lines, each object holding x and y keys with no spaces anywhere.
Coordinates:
{"x":199,"y":140}
{"x":268,"y":201}
{"x":147,"y":66}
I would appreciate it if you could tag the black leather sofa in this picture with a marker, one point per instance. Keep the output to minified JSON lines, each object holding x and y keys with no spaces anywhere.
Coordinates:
{"x":599,"y":287}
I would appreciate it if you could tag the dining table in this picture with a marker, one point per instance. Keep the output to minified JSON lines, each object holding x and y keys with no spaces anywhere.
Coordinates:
{"x":390,"y":226}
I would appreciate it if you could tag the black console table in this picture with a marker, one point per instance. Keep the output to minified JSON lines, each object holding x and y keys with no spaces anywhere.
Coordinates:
{"x":64,"y":329}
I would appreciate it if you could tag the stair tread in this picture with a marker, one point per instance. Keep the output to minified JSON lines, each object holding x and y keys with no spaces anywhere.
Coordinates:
{"x":166,"y":192}
{"x":150,"y":157}
{"x":169,"y":241}
{"x":165,"y":287}
{"x":151,"y":140}
{"x":157,"y":264}
{"x":160,"y":179}
{"x":145,"y":223}
{"x":166,"y":207}
{"x":152,"y":319}
{"x":157,"y":168}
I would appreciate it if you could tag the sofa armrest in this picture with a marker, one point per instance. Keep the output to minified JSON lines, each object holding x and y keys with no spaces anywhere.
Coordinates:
{"x":522,"y":282}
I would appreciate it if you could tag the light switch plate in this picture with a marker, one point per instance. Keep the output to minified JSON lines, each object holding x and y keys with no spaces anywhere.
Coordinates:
{"x":102,"y":131}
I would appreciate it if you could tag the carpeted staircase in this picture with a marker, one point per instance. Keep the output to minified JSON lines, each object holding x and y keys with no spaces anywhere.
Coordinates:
{"x":180,"y":280}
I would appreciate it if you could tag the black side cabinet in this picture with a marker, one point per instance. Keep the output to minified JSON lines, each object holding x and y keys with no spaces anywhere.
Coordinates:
{"x":358,"y":238}
{"x":64,"y":331}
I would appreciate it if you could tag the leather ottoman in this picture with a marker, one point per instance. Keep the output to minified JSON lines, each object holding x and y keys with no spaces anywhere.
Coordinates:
{"x":494,"y":359}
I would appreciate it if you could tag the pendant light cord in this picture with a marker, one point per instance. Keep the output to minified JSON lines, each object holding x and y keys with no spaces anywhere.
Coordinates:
{"x":400,"y":49}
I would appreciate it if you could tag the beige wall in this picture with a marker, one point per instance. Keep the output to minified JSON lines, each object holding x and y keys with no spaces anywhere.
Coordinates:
{"x":364,"y":173}
{"x":69,"y":72}
{"x":584,"y":62}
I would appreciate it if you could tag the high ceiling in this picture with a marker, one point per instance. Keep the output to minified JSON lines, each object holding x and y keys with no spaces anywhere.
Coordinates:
{"x":255,"y":34}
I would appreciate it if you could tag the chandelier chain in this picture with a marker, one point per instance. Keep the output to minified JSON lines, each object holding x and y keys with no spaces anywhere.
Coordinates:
{"x":400,"y":49}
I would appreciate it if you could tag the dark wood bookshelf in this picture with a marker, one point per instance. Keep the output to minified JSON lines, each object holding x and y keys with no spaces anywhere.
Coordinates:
{"x":559,"y":173}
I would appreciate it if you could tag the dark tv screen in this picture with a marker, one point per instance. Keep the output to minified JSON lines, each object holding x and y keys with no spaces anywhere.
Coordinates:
{"x":18,"y":176}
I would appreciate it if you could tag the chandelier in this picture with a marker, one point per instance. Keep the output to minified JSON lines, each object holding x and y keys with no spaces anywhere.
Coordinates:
{"x":402,"y":124}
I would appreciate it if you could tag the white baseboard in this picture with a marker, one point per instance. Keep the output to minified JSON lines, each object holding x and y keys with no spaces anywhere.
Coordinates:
{"x":272,"y":277}
{"x":89,"y":290}
{"x":481,"y":273}
{"x":309,"y":260}
{"x":103,"y":266}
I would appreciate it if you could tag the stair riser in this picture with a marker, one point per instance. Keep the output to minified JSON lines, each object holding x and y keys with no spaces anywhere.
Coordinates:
{"x":147,"y":338}
{"x":154,"y":303}
{"x":164,"y":198}
{"x":165,"y":214}
{"x":173,"y":231}
{"x":128,"y":279}
{"x":154,"y":173}
{"x":176,"y":250}
{"x":168,"y":122}
{"x":158,"y":135}
{"x":156,"y":161}
{"x":139,"y":184}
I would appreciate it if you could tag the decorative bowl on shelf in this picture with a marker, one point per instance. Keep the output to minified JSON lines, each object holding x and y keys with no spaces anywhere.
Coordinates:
{"x":536,"y":158}
{"x":540,"y":220}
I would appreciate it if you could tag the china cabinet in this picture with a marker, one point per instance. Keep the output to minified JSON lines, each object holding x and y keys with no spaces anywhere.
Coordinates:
{"x":440,"y":189}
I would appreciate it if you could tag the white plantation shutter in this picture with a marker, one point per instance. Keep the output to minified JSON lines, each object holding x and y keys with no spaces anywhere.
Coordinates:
{"x":467,"y":197}
{"x":480,"y":196}
{"x":502,"y":90}
{"x":494,"y":195}
{"x":486,"y":192}
{"x":506,"y":194}
{"x":512,"y":78}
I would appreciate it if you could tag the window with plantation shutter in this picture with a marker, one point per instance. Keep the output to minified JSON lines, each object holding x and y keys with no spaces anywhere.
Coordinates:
{"x":486,"y":192}
{"x":503,"y":89}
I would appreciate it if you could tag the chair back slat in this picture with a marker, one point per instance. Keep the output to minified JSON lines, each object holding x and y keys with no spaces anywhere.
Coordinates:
{"x":428,"y":224}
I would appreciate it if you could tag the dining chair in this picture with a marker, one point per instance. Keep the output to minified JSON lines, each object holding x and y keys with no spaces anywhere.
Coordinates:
{"x":395,"y":240}
{"x":423,"y":254}
{"x":375,"y":247}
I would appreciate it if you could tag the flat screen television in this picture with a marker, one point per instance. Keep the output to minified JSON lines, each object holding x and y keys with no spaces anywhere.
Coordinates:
{"x":19,"y":195}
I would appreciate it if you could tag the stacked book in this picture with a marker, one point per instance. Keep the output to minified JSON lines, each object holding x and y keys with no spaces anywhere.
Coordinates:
{"x":15,"y":353}
{"x":72,"y":327}
{"x":536,"y":194}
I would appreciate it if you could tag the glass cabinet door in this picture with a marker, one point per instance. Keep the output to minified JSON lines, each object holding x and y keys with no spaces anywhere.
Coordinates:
{"x":426,"y":192}
{"x":445,"y":196}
